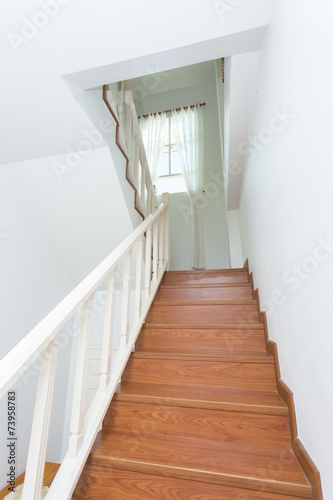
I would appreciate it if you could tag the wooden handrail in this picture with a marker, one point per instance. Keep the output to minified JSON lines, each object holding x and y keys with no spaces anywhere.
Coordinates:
{"x":144,"y":200}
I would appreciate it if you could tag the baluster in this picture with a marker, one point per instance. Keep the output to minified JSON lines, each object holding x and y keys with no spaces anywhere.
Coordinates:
{"x":138,"y":278}
{"x":81,"y":378}
{"x":148,"y":263}
{"x":161,"y":240}
{"x":41,"y":422}
{"x":129,"y":123}
{"x":166,"y":199}
{"x":126,"y":303}
{"x":155,"y":249}
{"x":108,"y":331}
{"x":143,"y":185}
{"x":136,"y":159}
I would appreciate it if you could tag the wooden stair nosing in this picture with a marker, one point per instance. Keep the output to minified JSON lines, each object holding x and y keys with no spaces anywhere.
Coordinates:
{"x":208,"y":271}
{"x":231,"y":357}
{"x":203,"y":326}
{"x":205,"y":302}
{"x":187,"y":458}
{"x":99,"y":482}
{"x":240,"y":284}
{"x":227,"y":399}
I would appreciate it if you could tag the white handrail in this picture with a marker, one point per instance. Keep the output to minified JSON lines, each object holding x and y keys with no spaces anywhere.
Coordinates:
{"x":44,"y":337}
{"x":26,"y":352}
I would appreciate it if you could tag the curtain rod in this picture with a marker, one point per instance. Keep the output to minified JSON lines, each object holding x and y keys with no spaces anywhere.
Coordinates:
{"x":201,"y":104}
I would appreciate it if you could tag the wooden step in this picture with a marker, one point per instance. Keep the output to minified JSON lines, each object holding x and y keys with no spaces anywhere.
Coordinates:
{"x":182,"y":338}
{"x":115,"y":484}
{"x":204,"y":293}
{"x":225,"y":398}
{"x":229,"y":464}
{"x":213,"y":374}
{"x":203,"y":313}
{"x":202,"y":277}
{"x":208,"y":326}
{"x":187,"y":354}
{"x":218,"y":425}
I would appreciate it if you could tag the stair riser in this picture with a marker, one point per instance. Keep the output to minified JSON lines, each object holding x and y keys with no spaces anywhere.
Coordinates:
{"x":233,"y":427}
{"x":224,"y":340}
{"x":202,"y":278}
{"x":203,"y":314}
{"x":212,"y":374}
{"x":116,"y":484}
{"x":223,"y":293}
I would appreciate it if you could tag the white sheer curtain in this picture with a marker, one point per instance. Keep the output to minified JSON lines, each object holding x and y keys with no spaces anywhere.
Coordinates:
{"x":152,"y":131}
{"x":188,"y":131}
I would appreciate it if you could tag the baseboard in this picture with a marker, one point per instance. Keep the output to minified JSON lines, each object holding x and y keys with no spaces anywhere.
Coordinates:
{"x":310,"y":469}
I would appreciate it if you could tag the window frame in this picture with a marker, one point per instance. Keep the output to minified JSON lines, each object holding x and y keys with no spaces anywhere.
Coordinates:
{"x":169,"y":149}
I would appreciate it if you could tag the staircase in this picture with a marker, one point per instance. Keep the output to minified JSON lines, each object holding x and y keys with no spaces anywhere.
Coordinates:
{"x":197,"y":414}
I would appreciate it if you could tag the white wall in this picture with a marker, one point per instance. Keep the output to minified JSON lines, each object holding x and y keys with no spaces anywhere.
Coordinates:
{"x":235,"y":243}
{"x":76,"y":208}
{"x":32,"y":283}
{"x":286,"y":212}
{"x":214,"y":212}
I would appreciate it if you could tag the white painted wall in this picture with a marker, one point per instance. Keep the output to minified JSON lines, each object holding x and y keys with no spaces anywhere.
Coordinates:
{"x":76,"y":209}
{"x":32,"y":283}
{"x":214,"y":212}
{"x":286,"y":212}
{"x":242,"y":74}
{"x":235,"y":243}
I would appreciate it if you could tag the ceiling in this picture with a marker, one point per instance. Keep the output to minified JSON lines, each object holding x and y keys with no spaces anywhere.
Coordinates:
{"x":179,"y":78}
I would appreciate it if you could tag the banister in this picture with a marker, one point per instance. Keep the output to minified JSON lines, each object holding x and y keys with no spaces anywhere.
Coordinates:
{"x":13,"y":365}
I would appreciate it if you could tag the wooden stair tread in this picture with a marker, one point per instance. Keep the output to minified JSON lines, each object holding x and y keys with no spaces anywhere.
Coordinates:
{"x":207,"y":271}
{"x":204,"y":326}
{"x":196,"y":277}
{"x":203,"y":354}
{"x":210,"y":424}
{"x":201,"y":312}
{"x":216,"y":339}
{"x":204,"y":293}
{"x":245,"y":284}
{"x":203,"y":302}
{"x":252,"y":401}
{"x":116,"y":484}
{"x":204,"y":460}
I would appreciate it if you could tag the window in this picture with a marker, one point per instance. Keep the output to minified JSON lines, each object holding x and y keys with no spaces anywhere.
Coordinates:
{"x":170,"y":177}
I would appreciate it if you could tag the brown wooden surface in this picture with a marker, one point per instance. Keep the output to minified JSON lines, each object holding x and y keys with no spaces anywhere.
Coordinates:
{"x":50,"y":471}
{"x":204,"y":293}
{"x":205,"y":355}
{"x":212,"y":374}
{"x":228,"y":426}
{"x":206,"y":326}
{"x":202,"y":313}
{"x":229,"y":276}
{"x":208,"y":461}
{"x":197,"y":413}
{"x":241,"y":400}
{"x":196,"y":338}
{"x":102,"y":483}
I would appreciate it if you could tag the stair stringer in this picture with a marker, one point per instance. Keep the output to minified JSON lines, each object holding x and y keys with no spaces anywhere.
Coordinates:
{"x":309,"y":467}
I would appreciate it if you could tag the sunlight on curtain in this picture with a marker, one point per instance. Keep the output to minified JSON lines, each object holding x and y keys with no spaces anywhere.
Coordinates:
{"x":153,"y":131}
{"x":188,"y":129}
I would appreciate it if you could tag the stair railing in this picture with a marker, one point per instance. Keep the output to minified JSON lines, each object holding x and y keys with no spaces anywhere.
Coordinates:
{"x":146,"y":253}
{"x":129,"y":140}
